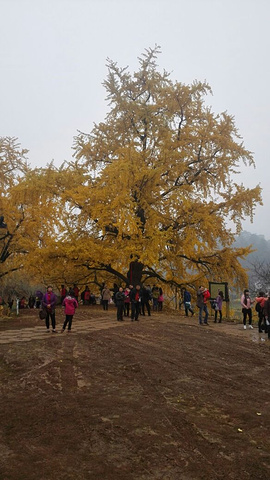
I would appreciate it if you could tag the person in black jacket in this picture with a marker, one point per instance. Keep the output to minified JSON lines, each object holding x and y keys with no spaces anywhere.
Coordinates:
{"x":146,"y":297}
{"x":119,"y":302}
{"x":187,"y":302}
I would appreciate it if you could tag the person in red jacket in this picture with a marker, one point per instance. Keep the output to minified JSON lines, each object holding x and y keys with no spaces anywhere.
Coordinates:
{"x":203,"y":296}
{"x":63,"y":293}
{"x":259,"y":307}
{"x":70,"y":304}
{"x":76,"y":291}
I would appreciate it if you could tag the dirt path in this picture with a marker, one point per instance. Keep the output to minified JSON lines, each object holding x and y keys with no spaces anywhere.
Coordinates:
{"x":94,"y":319}
{"x":162,"y":398}
{"x":27,"y":334}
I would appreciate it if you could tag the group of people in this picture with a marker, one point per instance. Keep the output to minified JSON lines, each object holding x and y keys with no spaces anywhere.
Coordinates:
{"x":262,"y":307}
{"x":203,"y":295}
{"x":134,"y":300}
{"x":139,"y":300}
{"x":23,"y":302}
{"x":49,"y":302}
{"x":87,"y":297}
{"x":131,"y":301}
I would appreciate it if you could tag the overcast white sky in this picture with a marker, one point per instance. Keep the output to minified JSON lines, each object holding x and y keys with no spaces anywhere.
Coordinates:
{"x":53,"y":62}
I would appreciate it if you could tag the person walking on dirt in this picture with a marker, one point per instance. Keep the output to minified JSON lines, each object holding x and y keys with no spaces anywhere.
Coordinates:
{"x":246,"y":308}
{"x":49,"y":304}
{"x":70,"y":304}
{"x":187,"y":302}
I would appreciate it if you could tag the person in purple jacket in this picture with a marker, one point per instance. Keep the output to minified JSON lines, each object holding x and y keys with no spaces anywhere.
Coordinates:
{"x":48,"y":303}
{"x":218,"y":307}
{"x":70,"y":304}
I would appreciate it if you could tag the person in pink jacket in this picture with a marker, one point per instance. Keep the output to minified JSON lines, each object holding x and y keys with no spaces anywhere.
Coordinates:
{"x":70,"y":304}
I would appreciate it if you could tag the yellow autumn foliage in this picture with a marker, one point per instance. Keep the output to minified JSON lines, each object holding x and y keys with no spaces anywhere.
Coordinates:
{"x":155,"y":181}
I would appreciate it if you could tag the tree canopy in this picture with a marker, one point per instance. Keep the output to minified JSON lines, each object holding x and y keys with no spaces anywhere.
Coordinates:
{"x":154,"y":183}
{"x":13,"y":167}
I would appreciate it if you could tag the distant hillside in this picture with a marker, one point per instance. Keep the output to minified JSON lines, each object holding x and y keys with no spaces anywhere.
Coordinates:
{"x":259,"y":243}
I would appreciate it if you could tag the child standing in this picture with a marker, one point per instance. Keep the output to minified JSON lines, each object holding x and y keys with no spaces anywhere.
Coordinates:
{"x":70,"y":304}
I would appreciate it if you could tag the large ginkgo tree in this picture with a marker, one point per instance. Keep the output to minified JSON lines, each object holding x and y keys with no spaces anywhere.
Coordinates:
{"x":152,"y":192}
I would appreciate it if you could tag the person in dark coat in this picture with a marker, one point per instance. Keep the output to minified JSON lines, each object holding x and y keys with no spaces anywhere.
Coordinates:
{"x":146,"y":297}
{"x":135,"y":299}
{"x":187,"y":302}
{"x":31,"y":301}
{"x":119,"y":302}
{"x":155,"y":295}
{"x":39,"y":297}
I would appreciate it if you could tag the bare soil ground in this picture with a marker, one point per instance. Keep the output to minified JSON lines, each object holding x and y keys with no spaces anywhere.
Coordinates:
{"x":162,"y":398}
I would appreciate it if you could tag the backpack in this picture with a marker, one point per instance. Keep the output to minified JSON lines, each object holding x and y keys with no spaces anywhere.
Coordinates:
{"x":213,"y":304}
{"x":258,"y":307}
